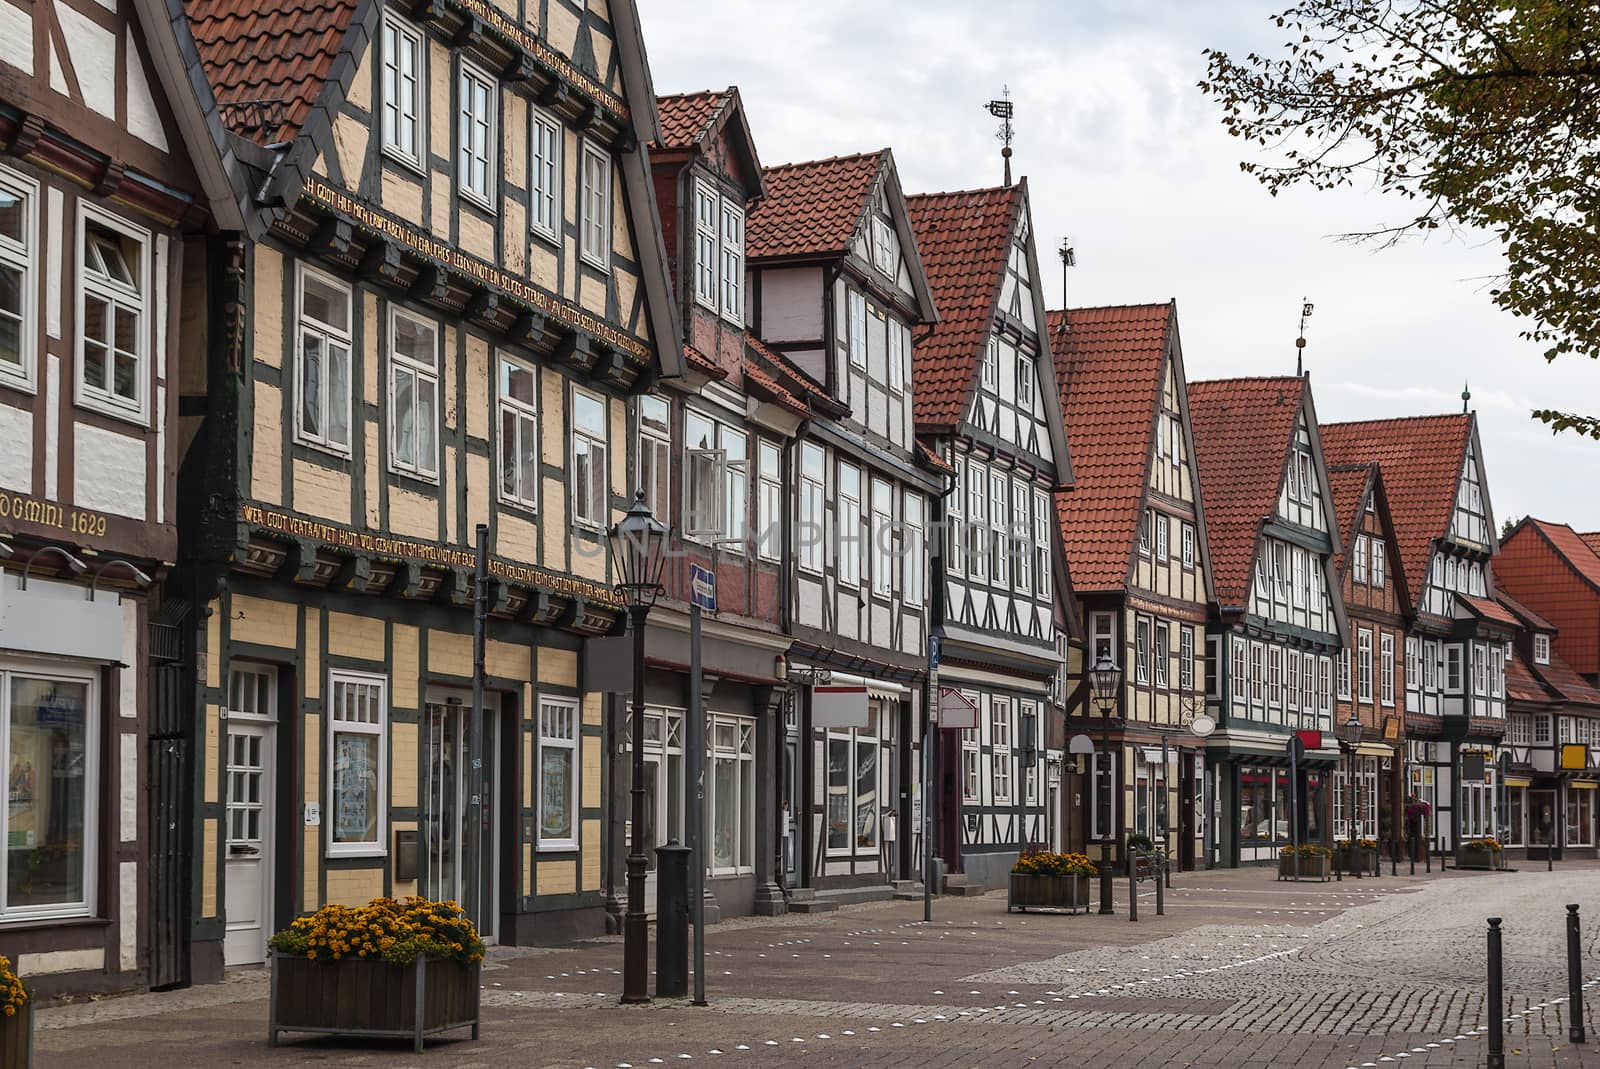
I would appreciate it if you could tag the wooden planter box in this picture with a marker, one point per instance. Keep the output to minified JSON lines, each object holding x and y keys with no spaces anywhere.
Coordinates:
{"x":1363,"y":859}
{"x":1311,"y":868}
{"x":16,"y":1038}
{"x":1070,"y":893}
{"x":1469,"y":858}
{"x":365,"y":997}
{"x":1146,"y":864}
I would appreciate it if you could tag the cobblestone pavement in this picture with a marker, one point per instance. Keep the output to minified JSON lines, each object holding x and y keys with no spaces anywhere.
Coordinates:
{"x":1242,"y":971}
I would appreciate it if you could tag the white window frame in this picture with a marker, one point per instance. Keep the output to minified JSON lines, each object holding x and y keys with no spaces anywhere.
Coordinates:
{"x":595,"y":181}
{"x":1188,"y":545}
{"x":1377,"y":571}
{"x":769,"y":499}
{"x":654,"y":443}
{"x":527,"y":416}
{"x":707,"y":240}
{"x":1025,"y":383}
{"x":1042,"y":542}
{"x":23,"y":256}
{"x":1364,"y":665}
{"x":730,"y":261}
{"x":898,"y":354}
{"x":1258,"y":675}
{"x":327,"y":333}
{"x":989,"y":373}
{"x":812,"y":531}
{"x":1345,"y":662}
{"x":1163,"y":655}
{"x":977,"y":521}
{"x":1163,"y":542}
{"x":1141,"y":650}
{"x":91,"y":788}
{"x":336,"y":727}
{"x":573,"y":743}
{"x":882,"y":533}
{"x":742,"y":754}
{"x":419,"y":373}
{"x":1102,"y":631}
{"x":856,"y":328}
{"x":546,"y":176}
{"x":847,"y":514}
{"x":1541,"y":649}
{"x":397,"y":110}
{"x":913,"y":550}
{"x":1021,"y":553}
{"x":1146,"y":531}
{"x":1358,"y":561}
{"x":593,"y":442}
{"x":971,"y":761}
{"x":469,"y":81}
{"x":1000,"y":730}
{"x":140,"y":300}
{"x":1275,"y":677}
{"x":999,"y":528}
{"x":1386,"y":668}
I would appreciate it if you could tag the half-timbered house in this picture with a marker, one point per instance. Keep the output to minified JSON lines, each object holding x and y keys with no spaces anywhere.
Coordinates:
{"x":1279,"y":622}
{"x":1134,"y":532}
{"x":452,"y":283}
{"x":837,"y":290}
{"x":1369,"y":680}
{"x":1552,"y":746}
{"x":1455,"y":653}
{"x":108,"y":188}
{"x":987,"y":402}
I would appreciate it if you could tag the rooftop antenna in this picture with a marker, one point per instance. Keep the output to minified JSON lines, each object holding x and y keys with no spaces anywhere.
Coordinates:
{"x":1466,"y":398}
{"x":1069,"y":259}
{"x":1002,"y":109}
{"x":1306,"y":308}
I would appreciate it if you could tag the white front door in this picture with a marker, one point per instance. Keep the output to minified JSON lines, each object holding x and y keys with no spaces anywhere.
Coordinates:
{"x":447,"y":812}
{"x":249,"y":829}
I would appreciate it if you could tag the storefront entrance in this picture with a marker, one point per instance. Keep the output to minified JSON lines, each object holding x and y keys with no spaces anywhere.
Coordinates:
{"x":251,"y":776}
{"x":446,"y":810}
{"x":1544,"y":841}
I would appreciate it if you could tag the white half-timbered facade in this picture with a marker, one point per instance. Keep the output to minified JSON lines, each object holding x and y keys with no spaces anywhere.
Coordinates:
{"x":987,"y":403}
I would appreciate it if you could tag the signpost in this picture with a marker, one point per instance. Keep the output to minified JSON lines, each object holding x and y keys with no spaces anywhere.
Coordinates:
{"x":932,"y":730}
{"x":1297,"y":749}
{"x":702,"y":597}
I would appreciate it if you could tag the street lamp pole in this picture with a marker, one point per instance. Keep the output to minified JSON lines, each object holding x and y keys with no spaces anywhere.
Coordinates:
{"x":1349,"y":738}
{"x":1105,"y":680}
{"x":638,"y":552}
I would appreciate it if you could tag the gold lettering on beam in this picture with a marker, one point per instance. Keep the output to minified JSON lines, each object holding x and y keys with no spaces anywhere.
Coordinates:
{"x":318,"y":192}
{"x":545,"y":55}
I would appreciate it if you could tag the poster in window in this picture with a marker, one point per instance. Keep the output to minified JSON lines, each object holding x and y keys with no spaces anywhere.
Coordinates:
{"x":355,"y":788}
{"x":555,"y":793}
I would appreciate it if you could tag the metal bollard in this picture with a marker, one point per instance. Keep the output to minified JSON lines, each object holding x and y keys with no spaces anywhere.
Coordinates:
{"x":1394,"y":857}
{"x":1161,"y":901}
{"x":1133,"y":887}
{"x":1574,"y":978}
{"x":1496,"y":1001}
{"x":1166,"y":869}
{"x":672,"y":920}
{"x":1413,"y":857}
{"x":1338,"y":862}
{"x":1105,"y":883}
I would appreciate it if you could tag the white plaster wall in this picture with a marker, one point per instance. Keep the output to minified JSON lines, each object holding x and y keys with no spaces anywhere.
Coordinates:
{"x":144,"y":121}
{"x":16,"y":461}
{"x":94,"y":59}
{"x":129,"y":771}
{"x":16,"y":37}
{"x":791,"y":304}
{"x":108,"y":471}
{"x":128,"y":916}
{"x":52,"y":427}
{"x":55,"y":961}
{"x":127,"y":678}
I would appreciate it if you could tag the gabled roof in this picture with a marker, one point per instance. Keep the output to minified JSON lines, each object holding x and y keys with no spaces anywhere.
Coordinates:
{"x":1522,"y":686}
{"x":762,"y":378}
{"x":965,"y":241}
{"x":1529,"y":619}
{"x":693,"y":121}
{"x":1421,"y":459}
{"x":1489,"y":610}
{"x":1347,"y":492}
{"x":1592,"y":540}
{"x":1242,"y":433}
{"x":278,"y":53}
{"x":812,"y":208}
{"x":1108,"y":362}
{"x":1559,"y":677}
{"x":1573,"y":548}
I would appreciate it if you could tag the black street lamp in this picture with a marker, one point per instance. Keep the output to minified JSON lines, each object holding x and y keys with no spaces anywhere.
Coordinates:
{"x":638,"y":552}
{"x":1105,"y":681}
{"x":1349,"y":735}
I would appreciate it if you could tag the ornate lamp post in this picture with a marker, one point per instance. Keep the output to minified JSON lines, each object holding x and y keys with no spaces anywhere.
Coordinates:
{"x":638,"y":550}
{"x":1349,"y":735}
{"x":1105,"y":680}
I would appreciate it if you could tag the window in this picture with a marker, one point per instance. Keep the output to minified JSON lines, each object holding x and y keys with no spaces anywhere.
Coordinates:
{"x":1386,"y":669}
{"x":1000,"y":537}
{"x":1280,"y":572}
{"x":1299,"y":592}
{"x":1017,"y":541}
{"x":1141,"y":651}
{"x":358,"y":780}
{"x":732,"y":262}
{"x":596,"y":223}
{"x":113,"y":295}
{"x":1162,"y":548}
{"x":323,"y":352}
{"x":849,"y":516}
{"x":1258,"y":674}
{"x":977,"y":521}
{"x":1358,"y":560}
{"x":989,"y":373}
{"x":954,"y":532}
{"x":1213,"y":664}
{"x":479,"y":103}
{"x":730,"y":792}
{"x":50,"y":722}
{"x":883,"y":537}
{"x":1145,"y":531}
{"x":856,"y":338}
{"x":1104,"y":787}
{"x":590,"y":487}
{"x":1275,"y":676}
{"x":1262,"y":590}
{"x":19,"y":237}
{"x":558,"y":774}
{"x":852,"y":810}
{"x":1292,"y":685}
{"x":719,"y":252}
{"x":1377,"y":562}
{"x":545,"y":177}
{"x":1541,"y":729}
{"x":971,"y":777}
{"x":703,"y":481}
{"x":655,"y":454}
{"x":899,"y":354}
{"x":1188,"y":545}
{"x":1364,"y":665}
{"x":1102,"y":640}
{"x":1163,"y":661}
{"x":1452,"y":668}
{"x":1324,"y":687}
{"x":413,"y":395}
{"x":519,"y":433}
{"x":1042,"y":542}
{"x":1431,"y":665}
{"x":1000,"y":740}
{"x":403,"y":58}
{"x":1025,"y":383}
{"x":1413,"y":659}
{"x":769,"y":499}
{"x":1240,"y":685}
{"x":736,"y":485}
{"x":913,"y":551}
{"x":1541,"y":649}
{"x":812,"y":533}
{"x":883,"y":245}
{"x":707,"y":239}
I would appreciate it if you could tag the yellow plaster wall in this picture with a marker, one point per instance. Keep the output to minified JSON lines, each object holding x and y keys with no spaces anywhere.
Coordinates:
{"x":558,"y":667}
{"x":527,"y":868}
{"x":375,"y":330}
{"x":508,"y":660}
{"x":312,"y":844}
{"x":557,"y":878}
{"x":267,"y":268}
{"x":266,"y":445}
{"x":208,"y":884}
{"x":553,"y":524}
{"x":264,"y":622}
{"x":360,"y":637}
{"x":312,"y":839}
{"x":478,"y":386}
{"x":313,"y":680}
{"x":350,"y":142}
{"x":373,"y":480}
{"x":354,"y":887}
{"x":593,"y":708}
{"x":542,"y":264}
{"x":402,"y":195}
{"x":405,"y":666}
{"x":475,"y":234}
{"x":591,"y":855}
{"x":448,"y":489}
{"x":213,"y":752}
{"x":403,"y":764}
{"x":516,"y":537}
{"x":320,"y":491}
{"x":214,"y":645}
{"x":591,"y":772}
{"x":413,"y":514}
{"x":562,"y":30}
{"x":447,"y":385}
{"x":449,"y":653}
{"x":477,"y":493}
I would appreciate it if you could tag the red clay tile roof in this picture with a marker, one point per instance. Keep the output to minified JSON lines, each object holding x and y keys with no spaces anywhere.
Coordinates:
{"x":1592,"y":540}
{"x":702,"y":363}
{"x":277,"y":53}
{"x":788,"y":375}
{"x":1560,"y":677}
{"x":1347,"y":484}
{"x":1421,"y":458}
{"x":1521,"y":686}
{"x":1242,"y":429}
{"x":1525,"y":615}
{"x":813,"y":208}
{"x":687,"y":117}
{"x":760,"y":379}
{"x":1489,"y":609}
{"x":965,"y":241}
{"x":1573,"y":548}
{"x":928,"y":458}
{"x":1108,"y":366}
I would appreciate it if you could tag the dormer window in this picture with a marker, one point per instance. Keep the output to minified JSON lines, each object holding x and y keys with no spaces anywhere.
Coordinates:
{"x":1541,"y":649}
{"x":719,"y":253}
{"x":885,"y":249}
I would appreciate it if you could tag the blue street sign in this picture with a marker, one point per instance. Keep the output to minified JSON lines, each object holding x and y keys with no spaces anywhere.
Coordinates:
{"x":703,"y":587}
{"x":933,"y":651}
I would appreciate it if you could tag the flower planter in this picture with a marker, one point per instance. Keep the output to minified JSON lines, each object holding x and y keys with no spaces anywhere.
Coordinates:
{"x":1027,"y":891}
{"x":1469,"y":857}
{"x":16,"y":1038}
{"x":369,"y":997}
{"x":1363,"y":859}
{"x":1318,"y":867}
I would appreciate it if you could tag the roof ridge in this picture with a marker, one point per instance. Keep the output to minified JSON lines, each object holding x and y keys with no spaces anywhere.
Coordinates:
{"x":1110,"y":307}
{"x":1246,"y":378}
{"x":850,"y":157}
{"x":1006,"y":190}
{"x":1442,"y":416}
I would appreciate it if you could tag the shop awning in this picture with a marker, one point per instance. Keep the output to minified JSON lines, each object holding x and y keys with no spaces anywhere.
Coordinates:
{"x":1374,"y":749}
{"x":1518,"y":781}
{"x":1583,"y":785}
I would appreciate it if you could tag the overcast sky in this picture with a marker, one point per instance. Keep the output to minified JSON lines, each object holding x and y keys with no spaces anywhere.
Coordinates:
{"x":1124,"y":156}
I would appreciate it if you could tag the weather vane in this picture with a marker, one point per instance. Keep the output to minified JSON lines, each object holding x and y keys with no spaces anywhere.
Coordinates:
{"x":1002,"y":109}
